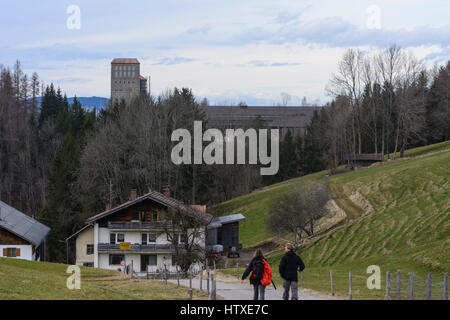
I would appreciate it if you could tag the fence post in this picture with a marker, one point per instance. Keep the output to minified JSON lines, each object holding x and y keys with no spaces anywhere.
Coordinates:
{"x":446,"y":286}
{"x":411,"y":286}
{"x":350,"y":285}
{"x":190,"y":278}
{"x":207,"y":279}
{"x":331,"y":278}
{"x":388,"y":285}
{"x":301,"y":279}
{"x":398,"y":285}
{"x":201,"y":279}
{"x":190,"y":293}
{"x":131,"y":273}
{"x":178,"y":276}
{"x":429,"y":282}
{"x":237,"y":270}
{"x":213,"y":288}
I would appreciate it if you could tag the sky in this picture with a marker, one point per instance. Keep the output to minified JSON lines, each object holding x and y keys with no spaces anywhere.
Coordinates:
{"x":227,"y":51}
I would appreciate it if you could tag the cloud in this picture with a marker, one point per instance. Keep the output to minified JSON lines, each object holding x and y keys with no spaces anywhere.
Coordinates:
{"x":172,"y":61}
{"x":337,"y":32}
{"x":263,"y":63}
{"x":202,"y":30}
{"x":286,"y":17}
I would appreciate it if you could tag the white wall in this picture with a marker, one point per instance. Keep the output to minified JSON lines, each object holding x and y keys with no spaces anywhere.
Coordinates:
{"x":26,"y":251}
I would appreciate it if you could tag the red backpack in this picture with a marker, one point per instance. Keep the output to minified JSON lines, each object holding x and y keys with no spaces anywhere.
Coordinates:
{"x":267,"y":274}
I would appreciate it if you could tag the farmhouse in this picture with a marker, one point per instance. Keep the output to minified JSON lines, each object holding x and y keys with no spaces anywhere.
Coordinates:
{"x":135,"y":233}
{"x":21,"y":236}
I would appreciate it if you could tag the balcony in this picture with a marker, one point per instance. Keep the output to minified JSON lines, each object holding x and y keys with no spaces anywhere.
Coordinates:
{"x":139,"y":226}
{"x":137,"y":248}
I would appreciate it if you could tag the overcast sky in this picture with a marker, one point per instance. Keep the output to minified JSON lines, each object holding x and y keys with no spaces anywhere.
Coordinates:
{"x":227,"y":51}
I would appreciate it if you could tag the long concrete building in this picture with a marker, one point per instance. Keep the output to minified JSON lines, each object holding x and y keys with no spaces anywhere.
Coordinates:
{"x":126,"y":83}
{"x":294,"y":119}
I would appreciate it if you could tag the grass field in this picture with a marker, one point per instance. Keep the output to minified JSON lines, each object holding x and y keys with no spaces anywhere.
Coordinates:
{"x":407,"y":227}
{"x":26,"y":280}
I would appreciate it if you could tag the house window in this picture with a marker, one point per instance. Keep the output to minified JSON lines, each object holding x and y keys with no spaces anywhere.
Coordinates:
{"x":174,"y":260}
{"x":89,"y":249}
{"x":116,"y":259}
{"x":180,"y":238}
{"x":11,"y":252}
{"x":148,"y":238}
{"x":155,"y":216}
{"x":116,"y":238}
{"x":152,"y":260}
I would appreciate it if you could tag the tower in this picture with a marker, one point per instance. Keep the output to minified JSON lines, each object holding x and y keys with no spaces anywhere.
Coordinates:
{"x":125,"y":79}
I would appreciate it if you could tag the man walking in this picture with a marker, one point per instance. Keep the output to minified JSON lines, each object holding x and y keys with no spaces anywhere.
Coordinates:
{"x":289,"y":265}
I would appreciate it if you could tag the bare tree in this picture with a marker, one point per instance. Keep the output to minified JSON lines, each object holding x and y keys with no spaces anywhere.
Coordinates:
{"x":186,"y":233}
{"x":297,"y":211}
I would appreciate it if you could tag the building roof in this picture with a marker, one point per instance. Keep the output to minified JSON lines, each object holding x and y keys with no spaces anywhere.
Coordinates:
{"x":79,"y":231}
{"x":228,"y":219}
{"x":161,"y":199}
{"x":284,"y":116}
{"x":125,"y":60}
{"x":22,"y":225}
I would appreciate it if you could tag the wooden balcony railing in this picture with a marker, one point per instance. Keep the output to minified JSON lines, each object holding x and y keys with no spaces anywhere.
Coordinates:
{"x":142,"y":225}
{"x":142,"y":248}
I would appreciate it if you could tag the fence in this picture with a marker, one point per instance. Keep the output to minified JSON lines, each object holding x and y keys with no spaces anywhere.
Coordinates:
{"x":394,"y":286}
{"x":206,"y":275}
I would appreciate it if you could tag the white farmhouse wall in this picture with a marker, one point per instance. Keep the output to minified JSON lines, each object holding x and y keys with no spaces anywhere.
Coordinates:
{"x":26,"y":251}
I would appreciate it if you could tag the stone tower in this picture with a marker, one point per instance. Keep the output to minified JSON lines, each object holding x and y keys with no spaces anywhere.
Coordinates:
{"x":125,"y":79}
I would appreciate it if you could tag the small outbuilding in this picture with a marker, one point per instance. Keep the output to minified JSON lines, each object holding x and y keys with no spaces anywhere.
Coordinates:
{"x":21,"y":236}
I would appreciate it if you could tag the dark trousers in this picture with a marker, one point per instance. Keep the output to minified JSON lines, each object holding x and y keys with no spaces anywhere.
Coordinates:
{"x":258,"y":290}
{"x":293,"y":285}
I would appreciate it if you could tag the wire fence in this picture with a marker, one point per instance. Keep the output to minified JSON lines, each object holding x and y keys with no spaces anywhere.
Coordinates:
{"x":392,"y":285}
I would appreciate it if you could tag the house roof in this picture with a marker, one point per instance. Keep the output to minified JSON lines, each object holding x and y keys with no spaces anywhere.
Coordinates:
{"x":228,"y":219}
{"x":79,"y":231}
{"x":125,"y":60}
{"x":22,"y":225}
{"x":160,"y":198}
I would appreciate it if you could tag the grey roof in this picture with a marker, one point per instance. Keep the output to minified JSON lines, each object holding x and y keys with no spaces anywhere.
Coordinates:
{"x":22,"y":225}
{"x":228,"y":219}
{"x":272,"y":117}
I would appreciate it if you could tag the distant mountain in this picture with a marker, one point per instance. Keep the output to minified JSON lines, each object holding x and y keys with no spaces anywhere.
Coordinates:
{"x":88,"y":102}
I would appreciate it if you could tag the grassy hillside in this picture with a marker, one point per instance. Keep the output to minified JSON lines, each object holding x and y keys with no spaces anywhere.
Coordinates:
{"x":20,"y":279}
{"x":398,"y":218}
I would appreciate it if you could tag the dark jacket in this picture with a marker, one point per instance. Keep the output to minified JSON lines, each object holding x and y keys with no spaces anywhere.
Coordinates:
{"x":289,"y":265}
{"x":256,"y":267}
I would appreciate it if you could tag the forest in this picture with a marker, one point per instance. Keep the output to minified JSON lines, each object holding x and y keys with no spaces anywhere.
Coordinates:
{"x":61,"y":163}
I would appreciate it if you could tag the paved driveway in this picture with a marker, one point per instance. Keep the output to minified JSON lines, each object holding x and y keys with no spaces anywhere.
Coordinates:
{"x":237,"y":291}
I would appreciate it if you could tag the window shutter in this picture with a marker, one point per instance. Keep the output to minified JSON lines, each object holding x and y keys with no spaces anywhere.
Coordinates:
{"x":17,"y":252}
{"x":5,"y":252}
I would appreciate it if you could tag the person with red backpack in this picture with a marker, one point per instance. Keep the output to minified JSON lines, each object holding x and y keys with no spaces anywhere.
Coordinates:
{"x":261,"y":274}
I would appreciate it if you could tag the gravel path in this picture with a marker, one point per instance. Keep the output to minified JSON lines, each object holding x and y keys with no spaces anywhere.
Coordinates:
{"x":237,"y":291}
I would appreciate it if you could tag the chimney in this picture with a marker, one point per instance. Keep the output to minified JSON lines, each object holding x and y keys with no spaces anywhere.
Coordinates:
{"x":166,"y":191}
{"x":108,"y":207}
{"x":133,"y":194}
